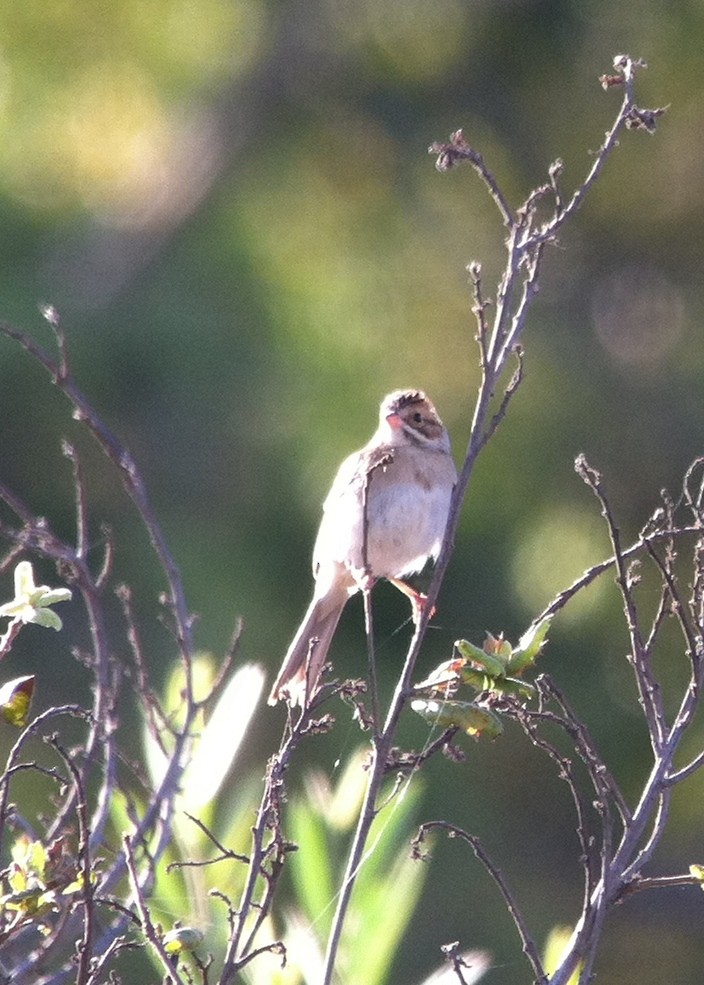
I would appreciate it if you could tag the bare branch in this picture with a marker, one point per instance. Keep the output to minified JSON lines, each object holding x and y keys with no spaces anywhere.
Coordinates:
{"x":451,"y":154}
{"x":452,"y":831}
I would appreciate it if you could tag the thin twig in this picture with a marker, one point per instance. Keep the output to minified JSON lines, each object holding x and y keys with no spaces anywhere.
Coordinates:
{"x":371,"y":656}
{"x":453,"y":831}
{"x":148,"y":928}
{"x":85,"y":946}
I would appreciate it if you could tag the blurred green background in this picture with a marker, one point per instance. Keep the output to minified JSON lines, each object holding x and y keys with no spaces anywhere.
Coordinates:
{"x":231,"y":205}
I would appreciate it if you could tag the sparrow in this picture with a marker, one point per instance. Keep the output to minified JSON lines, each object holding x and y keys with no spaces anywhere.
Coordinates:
{"x":384,"y":517}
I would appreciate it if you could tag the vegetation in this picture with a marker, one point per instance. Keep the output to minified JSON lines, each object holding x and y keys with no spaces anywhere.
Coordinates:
{"x":244,"y":262}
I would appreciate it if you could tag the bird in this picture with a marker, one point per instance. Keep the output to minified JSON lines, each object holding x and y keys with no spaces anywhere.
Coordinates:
{"x":384,"y":517}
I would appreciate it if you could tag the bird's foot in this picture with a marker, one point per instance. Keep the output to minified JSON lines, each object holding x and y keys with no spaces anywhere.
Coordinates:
{"x":418,"y":600}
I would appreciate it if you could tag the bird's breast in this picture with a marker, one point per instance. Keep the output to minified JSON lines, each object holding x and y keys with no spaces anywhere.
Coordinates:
{"x":405,"y":527}
{"x":390,"y":519}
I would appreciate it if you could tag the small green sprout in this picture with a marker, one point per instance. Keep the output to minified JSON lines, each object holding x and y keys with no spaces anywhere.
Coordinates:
{"x":31,"y":603}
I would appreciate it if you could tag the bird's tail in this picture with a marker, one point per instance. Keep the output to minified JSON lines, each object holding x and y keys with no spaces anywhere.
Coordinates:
{"x":308,"y":652}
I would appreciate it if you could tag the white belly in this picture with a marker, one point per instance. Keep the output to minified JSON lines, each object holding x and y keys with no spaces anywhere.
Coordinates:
{"x":405,"y":527}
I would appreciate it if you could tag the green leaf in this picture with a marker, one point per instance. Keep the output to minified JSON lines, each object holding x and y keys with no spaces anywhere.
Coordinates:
{"x":529,"y":646}
{"x":221,"y":737}
{"x":318,"y":865}
{"x":50,"y":596}
{"x":514,"y":685}
{"x":490,"y":662}
{"x":312,"y":865}
{"x":466,"y":715}
{"x":377,"y":922}
{"x":47,"y":618}
{"x":477,"y":679}
{"x":499,"y":685}
{"x":387,"y":869}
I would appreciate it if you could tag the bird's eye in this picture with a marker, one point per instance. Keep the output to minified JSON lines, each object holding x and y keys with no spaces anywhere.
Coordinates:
{"x":418,"y":417}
